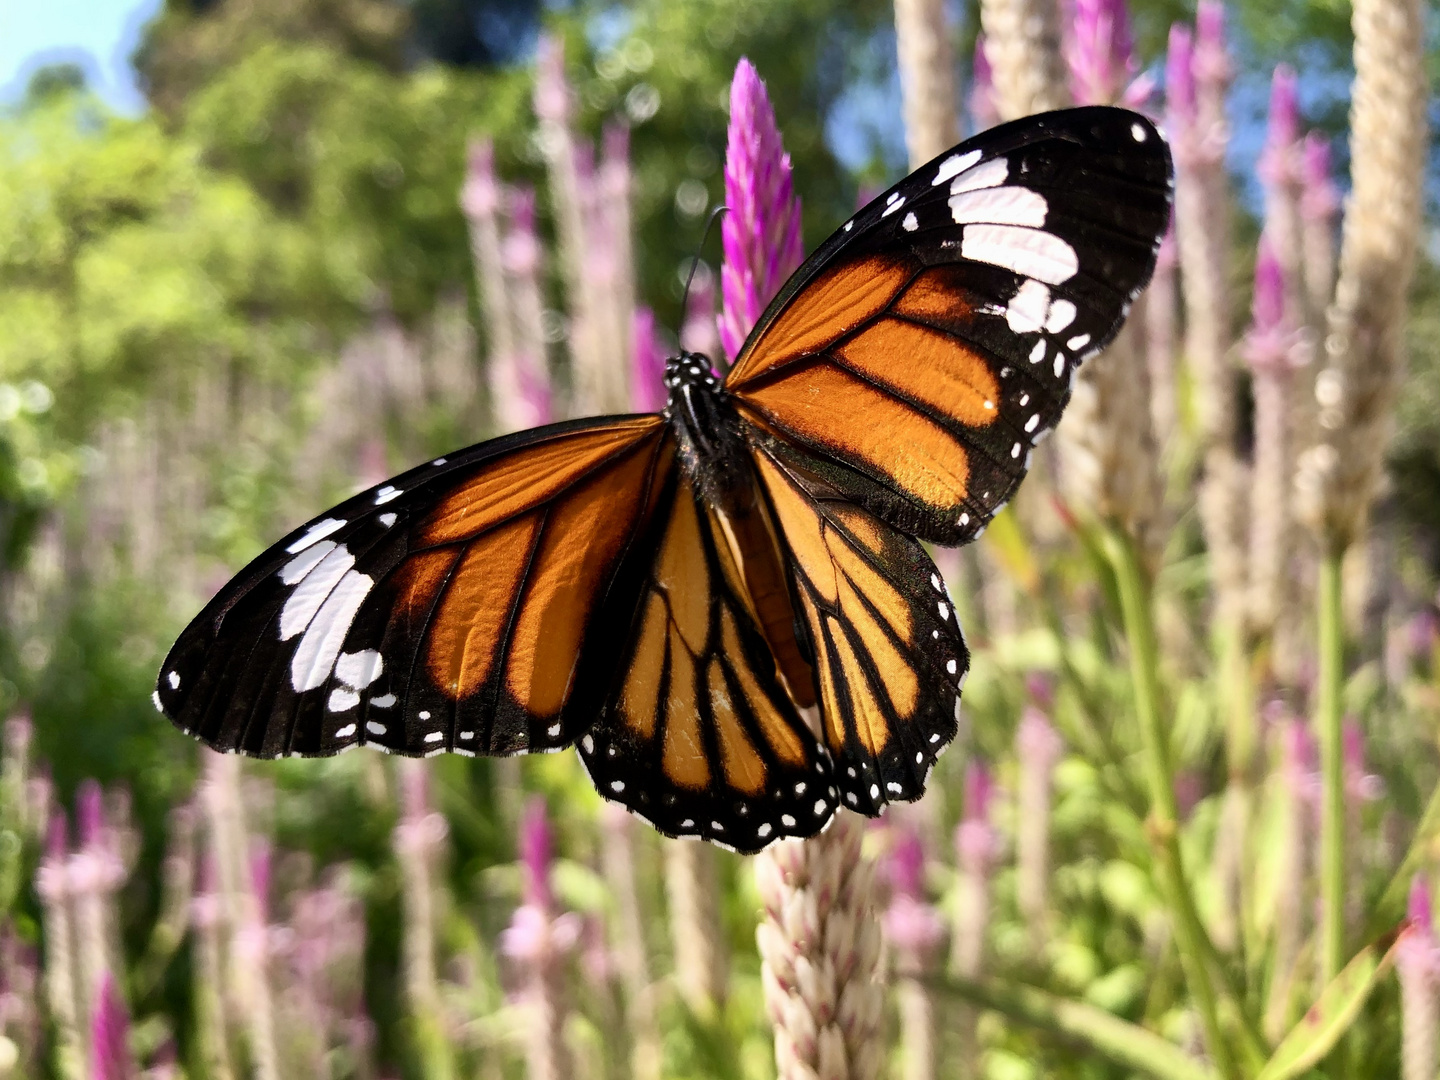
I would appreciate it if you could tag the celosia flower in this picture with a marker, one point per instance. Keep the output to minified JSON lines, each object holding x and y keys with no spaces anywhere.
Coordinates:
{"x":647,"y":389}
{"x":912,"y":925}
{"x":1274,"y":344}
{"x":1280,"y":158}
{"x":1319,"y":198}
{"x":1417,"y":963}
{"x":761,"y":233}
{"x":1101,"y":54}
{"x":984,"y":112}
{"x":109,"y":1035}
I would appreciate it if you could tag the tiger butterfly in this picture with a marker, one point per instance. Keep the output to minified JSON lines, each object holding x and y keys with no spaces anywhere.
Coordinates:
{"x":726,"y":605}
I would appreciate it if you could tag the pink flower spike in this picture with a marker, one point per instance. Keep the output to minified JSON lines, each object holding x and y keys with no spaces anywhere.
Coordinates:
{"x":109,"y":1035}
{"x":1180,"y":81}
{"x":1278,"y":164}
{"x":1319,"y":197}
{"x":1100,"y":51}
{"x":905,"y":868}
{"x":1418,"y":911}
{"x":1272,"y":344}
{"x":761,"y":233}
{"x":1212,"y":52}
{"x":535,"y":855}
{"x":1268,"y":307}
{"x":90,"y":813}
{"x":979,"y":790}
{"x":647,"y":388}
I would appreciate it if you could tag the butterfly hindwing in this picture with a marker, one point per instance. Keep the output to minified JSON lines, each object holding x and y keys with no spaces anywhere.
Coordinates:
{"x":698,"y":736}
{"x":451,"y":608}
{"x":889,"y":656}
{"x":929,"y":344}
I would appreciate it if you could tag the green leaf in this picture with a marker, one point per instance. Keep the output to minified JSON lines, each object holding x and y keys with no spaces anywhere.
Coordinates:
{"x":1329,"y":1018}
{"x":1107,"y":1035}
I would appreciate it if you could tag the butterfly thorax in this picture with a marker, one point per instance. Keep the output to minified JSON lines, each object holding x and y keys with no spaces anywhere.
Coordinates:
{"x":705,"y":425}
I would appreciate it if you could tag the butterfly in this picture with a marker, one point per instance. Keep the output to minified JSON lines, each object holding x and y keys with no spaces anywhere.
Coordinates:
{"x":726,"y":606}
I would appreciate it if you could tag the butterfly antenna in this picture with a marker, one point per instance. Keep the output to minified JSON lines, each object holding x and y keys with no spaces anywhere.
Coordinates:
{"x":695,"y":262}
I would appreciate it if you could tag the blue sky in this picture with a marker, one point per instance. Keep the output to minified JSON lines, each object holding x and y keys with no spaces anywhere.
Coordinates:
{"x":97,"y":34}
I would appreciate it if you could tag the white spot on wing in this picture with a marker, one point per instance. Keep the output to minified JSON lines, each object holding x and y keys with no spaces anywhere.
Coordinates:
{"x":910,"y":222}
{"x":1000,"y":205}
{"x":1015,"y":450}
{"x":1033,"y":422}
{"x":553,"y":730}
{"x":155,"y":700}
{"x":1079,"y":341}
{"x":359,"y":669}
{"x":174,"y":680}
{"x":787,"y":820}
{"x":342,"y":700}
{"x":849,"y":225}
{"x":894,"y":204}
{"x":434,"y":736}
{"x":318,"y":531}
{"x":1062,"y":314}
{"x":987,"y":174}
{"x":294,"y":571}
{"x":954,"y":165}
{"x":345,"y":732}
{"x":386,"y":493}
{"x":1026,"y":311}
{"x":387,"y":520}
{"x":950,"y":665}
{"x":1031,"y":252}
{"x":1038,"y":352}
{"x":944,"y":610}
{"x":617,"y":785}
{"x":385,"y":701}
{"x":874,"y":791}
{"x":324,"y":637}
{"x":589,"y":744}
{"x":1137,"y":132}
{"x":1059,"y":364}
{"x":821,"y":806}
{"x":764,"y":830}
{"x":313,"y":589}
{"x":375,"y":727}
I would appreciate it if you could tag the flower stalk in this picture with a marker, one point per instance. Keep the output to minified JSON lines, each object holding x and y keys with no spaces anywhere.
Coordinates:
{"x":820,"y":951}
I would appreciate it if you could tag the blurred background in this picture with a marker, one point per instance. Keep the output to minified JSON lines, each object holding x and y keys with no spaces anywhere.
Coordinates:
{"x":258,"y":254}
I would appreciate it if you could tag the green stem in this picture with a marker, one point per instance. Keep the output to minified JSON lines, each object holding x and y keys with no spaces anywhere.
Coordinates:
{"x":1332,"y":772}
{"x":1124,"y":1043}
{"x":1190,"y":938}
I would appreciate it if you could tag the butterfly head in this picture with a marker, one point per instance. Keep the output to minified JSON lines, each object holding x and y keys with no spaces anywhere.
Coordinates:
{"x":688,"y":370}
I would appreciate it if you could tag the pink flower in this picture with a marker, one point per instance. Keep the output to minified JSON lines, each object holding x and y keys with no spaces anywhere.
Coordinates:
{"x":1100,"y":52}
{"x":1319,"y":197}
{"x":1280,"y":158}
{"x":647,"y":390}
{"x":761,"y":233}
{"x":1273,"y":344}
{"x":109,"y":1034}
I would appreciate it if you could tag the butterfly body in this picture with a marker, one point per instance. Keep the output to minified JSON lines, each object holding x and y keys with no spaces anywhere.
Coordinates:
{"x":726,"y":606}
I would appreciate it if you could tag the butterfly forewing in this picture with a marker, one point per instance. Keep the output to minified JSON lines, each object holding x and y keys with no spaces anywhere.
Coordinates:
{"x":929,"y":344}
{"x":699,"y":736}
{"x":451,"y":608}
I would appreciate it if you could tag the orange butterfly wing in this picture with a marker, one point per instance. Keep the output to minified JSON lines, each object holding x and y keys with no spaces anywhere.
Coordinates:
{"x":927,"y":346}
{"x":462,"y":606}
